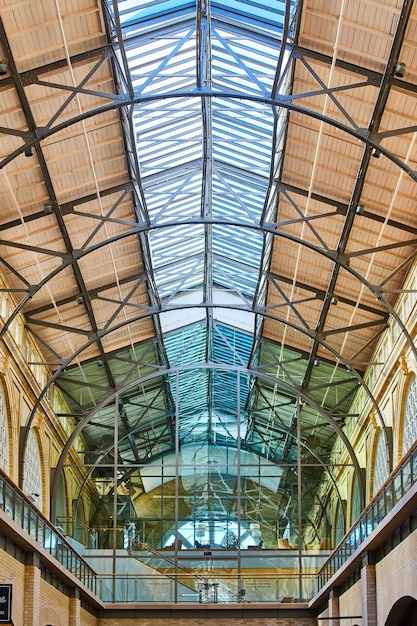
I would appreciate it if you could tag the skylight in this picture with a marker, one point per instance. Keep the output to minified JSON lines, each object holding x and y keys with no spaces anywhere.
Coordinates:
{"x":202,"y":75}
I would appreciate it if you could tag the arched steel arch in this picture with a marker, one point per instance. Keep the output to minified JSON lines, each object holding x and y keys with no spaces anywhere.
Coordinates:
{"x":127,"y":471}
{"x":166,"y":370}
{"x":371,"y":140}
{"x":152,"y":311}
{"x":284,"y":102}
{"x":297,"y":393}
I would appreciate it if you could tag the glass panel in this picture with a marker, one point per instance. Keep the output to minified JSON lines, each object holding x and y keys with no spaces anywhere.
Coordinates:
{"x":356,"y":499}
{"x":32,"y":475}
{"x":392,"y":494}
{"x":409,"y":435}
{"x":4,"y":433}
{"x":381,"y":469}
{"x":397,"y":487}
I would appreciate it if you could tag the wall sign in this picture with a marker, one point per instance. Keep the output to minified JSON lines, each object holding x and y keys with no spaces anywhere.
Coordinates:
{"x":5,"y":604}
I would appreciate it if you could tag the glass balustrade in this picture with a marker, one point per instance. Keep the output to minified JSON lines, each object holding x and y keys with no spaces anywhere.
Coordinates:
{"x":396,"y":487}
{"x":177,"y":576}
{"x":19,"y":508}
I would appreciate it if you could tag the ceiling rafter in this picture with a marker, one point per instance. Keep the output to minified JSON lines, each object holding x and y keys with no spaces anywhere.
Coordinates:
{"x":321,"y":294}
{"x":360,"y":179}
{"x":47,"y":179}
{"x":152,"y":221}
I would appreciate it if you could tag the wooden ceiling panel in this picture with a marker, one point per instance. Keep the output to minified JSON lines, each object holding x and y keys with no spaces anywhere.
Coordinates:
{"x":134,"y":333}
{"x":107,"y":303}
{"x":353,"y":346}
{"x":287,"y":336}
{"x":325,"y":163}
{"x":319,"y":25}
{"x":23,"y":190}
{"x":61,"y":287}
{"x":343,"y":103}
{"x":91,"y":231}
{"x":321,"y":233}
{"x":356,"y":31}
{"x":43,"y":32}
{"x":32,"y":265}
{"x":111,"y":264}
{"x":56,"y":99}
{"x":80,"y":174}
{"x":298,"y":264}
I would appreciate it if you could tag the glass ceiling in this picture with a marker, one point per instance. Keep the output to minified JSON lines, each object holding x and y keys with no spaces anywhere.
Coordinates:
{"x":206,"y":166}
{"x":204,"y":161}
{"x":208,"y":145}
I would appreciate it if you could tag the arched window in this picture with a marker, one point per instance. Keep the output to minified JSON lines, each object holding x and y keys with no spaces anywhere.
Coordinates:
{"x":339,"y":523}
{"x":409,"y":434}
{"x":32,"y":477}
{"x":356,"y":508}
{"x":381,"y":468}
{"x":4,"y":433}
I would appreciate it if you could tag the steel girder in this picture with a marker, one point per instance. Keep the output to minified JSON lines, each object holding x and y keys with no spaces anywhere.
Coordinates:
{"x":269,"y":227}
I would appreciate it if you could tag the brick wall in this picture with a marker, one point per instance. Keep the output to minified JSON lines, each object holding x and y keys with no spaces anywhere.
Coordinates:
{"x":86,"y":619}
{"x":13,"y":572}
{"x":54,"y":606}
{"x":350,"y":603}
{"x":396,"y":576}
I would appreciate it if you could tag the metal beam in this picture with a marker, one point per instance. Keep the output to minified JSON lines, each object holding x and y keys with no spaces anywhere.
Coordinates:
{"x":379,"y":108}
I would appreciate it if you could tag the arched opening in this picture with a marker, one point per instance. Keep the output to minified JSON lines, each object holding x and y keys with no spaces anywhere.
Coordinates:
{"x":61,"y":514}
{"x":403,"y":613}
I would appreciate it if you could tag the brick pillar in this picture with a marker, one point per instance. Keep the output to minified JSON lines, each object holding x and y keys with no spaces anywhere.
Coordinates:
{"x":31,"y":608}
{"x":334,"y":608}
{"x":74,"y":617}
{"x":368,"y":580}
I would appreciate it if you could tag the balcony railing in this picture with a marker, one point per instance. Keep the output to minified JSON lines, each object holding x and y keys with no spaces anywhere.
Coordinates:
{"x":395,"y":488}
{"x":21,"y":510}
{"x":177,"y":584}
{"x":211,"y":589}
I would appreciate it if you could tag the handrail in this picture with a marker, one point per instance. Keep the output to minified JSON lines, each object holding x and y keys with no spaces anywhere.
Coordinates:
{"x":20,"y":508}
{"x":398,"y":483}
{"x":23,"y":512}
{"x":215,"y":588}
{"x":195,"y":575}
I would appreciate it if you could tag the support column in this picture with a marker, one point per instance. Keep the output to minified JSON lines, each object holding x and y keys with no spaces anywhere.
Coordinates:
{"x":334,"y":608}
{"x":74,"y":612}
{"x":31,"y":610}
{"x":368,"y":579}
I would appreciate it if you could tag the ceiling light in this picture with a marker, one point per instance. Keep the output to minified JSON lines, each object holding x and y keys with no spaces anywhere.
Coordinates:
{"x":399,"y":70}
{"x":28,"y":152}
{"x":316,"y":362}
{"x":3,"y":68}
{"x":100,"y":363}
{"x":334,"y":300}
{"x":80,"y":300}
{"x":360,"y":209}
{"x":376,"y":153}
{"x":48,"y":208}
